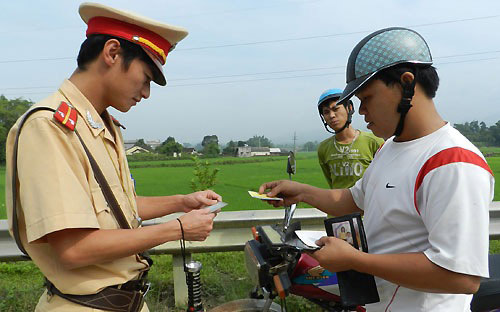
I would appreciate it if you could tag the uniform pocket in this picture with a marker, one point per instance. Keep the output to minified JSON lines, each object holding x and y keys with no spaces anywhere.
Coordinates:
{"x":102,"y":210}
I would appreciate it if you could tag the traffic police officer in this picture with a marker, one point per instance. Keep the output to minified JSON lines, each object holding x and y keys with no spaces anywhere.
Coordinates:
{"x":65,"y":222}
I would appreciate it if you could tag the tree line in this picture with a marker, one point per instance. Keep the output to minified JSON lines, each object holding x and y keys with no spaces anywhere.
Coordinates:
{"x":10,"y":110}
{"x":479,"y":133}
{"x":209,"y":146}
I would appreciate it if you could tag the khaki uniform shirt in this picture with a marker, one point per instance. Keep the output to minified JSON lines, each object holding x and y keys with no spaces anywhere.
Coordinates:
{"x":57,"y":189}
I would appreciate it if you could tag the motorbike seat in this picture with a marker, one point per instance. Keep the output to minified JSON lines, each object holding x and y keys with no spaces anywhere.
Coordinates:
{"x":488,"y":296}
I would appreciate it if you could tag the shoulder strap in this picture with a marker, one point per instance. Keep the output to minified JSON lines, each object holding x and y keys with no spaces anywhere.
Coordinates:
{"x":99,"y":176}
{"x":15,"y":225}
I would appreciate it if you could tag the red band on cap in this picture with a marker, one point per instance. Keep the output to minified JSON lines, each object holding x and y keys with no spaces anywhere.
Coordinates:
{"x":114,"y":27}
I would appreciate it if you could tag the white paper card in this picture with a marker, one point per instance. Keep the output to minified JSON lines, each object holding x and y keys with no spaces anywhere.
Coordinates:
{"x":217,"y":207}
{"x":310,"y":237}
{"x":262,"y":196}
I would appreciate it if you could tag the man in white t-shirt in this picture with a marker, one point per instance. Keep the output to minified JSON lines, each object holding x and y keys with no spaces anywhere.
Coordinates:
{"x":426,"y":195}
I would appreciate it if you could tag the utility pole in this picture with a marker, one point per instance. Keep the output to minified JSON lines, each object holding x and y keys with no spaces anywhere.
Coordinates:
{"x":294,"y":140}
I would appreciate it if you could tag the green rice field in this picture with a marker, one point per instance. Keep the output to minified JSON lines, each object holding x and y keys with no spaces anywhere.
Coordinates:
{"x":233,"y":180}
{"x":3,"y":214}
{"x":490,"y":150}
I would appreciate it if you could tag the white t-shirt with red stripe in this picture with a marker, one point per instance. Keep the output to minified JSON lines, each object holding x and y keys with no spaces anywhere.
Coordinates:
{"x":429,"y":195}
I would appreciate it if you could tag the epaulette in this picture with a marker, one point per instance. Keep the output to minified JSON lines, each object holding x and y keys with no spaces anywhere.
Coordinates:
{"x":66,"y":115}
{"x":116,"y":122}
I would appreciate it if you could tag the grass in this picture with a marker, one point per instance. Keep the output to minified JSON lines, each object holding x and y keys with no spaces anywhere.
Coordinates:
{"x":233,"y":181}
{"x":20,"y":286}
{"x":223,"y":275}
{"x":494,"y":163}
{"x":3,"y":213}
{"x":494,"y":246}
{"x":490,"y":150}
{"x":183,"y":162}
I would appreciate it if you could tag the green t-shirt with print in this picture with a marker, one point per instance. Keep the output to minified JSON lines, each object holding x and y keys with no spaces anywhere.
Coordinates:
{"x":344,"y":164}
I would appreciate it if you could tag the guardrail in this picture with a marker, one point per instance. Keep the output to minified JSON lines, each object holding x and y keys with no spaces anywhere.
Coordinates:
{"x":232,"y":229}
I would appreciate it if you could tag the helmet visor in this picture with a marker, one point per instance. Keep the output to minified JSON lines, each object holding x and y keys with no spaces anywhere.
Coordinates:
{"x":354,"y":86}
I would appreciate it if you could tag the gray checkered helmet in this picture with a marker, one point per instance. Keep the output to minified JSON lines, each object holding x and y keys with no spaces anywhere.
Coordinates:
{"x":380,"y":50}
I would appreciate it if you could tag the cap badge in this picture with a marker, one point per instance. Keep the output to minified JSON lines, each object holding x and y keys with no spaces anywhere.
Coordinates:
{"x":92,"y":123}
{"x":66,"y":115}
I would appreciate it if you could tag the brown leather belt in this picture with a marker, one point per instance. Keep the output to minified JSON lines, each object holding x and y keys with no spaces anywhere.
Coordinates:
{"x":128,"y":297}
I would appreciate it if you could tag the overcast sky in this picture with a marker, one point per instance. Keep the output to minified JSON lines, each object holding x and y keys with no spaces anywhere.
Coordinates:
{"x":258,"y":67}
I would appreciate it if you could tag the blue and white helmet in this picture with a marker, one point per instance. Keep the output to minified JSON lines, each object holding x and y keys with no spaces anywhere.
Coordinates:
{"x":329,"y":94}
{"x":383,"y":49}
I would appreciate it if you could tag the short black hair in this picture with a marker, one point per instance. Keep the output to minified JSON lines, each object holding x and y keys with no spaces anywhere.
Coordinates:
{"x":93,"y":45}
{"x":427,"y":77}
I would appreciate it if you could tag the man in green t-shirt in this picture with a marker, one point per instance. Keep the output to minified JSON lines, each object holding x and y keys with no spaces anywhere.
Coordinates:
{"x":344,"y":156}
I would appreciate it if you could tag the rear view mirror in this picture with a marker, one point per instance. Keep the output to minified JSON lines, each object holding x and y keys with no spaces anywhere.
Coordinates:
{"x":289,"y":211}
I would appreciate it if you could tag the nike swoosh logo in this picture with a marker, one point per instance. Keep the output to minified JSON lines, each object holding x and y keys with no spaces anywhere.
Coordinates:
{"x":389,"y":186}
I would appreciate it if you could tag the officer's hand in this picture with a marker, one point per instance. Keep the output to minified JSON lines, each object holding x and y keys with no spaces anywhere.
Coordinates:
{"x":197,"y":224}
{"x":288,"y":190}
{"x":335,"y":255}
{"x":199,"y":200}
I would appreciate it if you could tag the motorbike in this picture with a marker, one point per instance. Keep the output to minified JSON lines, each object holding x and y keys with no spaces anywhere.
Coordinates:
{"x":278,"y":266}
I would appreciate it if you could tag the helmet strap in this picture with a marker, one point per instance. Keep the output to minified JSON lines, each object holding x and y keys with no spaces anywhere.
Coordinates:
{"x":326,"y":127}
{"x":405,"y":104}
{"x":343,"y":128}
{"x":350,"y":111}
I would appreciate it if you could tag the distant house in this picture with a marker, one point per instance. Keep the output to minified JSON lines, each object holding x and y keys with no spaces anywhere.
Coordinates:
{"x":186,"y":151}
{"x":129,"y":143}
{"x":134,"y":150}
{"x":275,"y":151}
{"x":244,"y":151}
{"x":152,"y":143}
{"x":250,"y":151}
{"x":189,"y":151}
{"x":260,"y":151}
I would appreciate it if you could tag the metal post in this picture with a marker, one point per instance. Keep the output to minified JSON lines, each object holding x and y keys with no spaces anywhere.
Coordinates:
{"x":180,"y":287}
